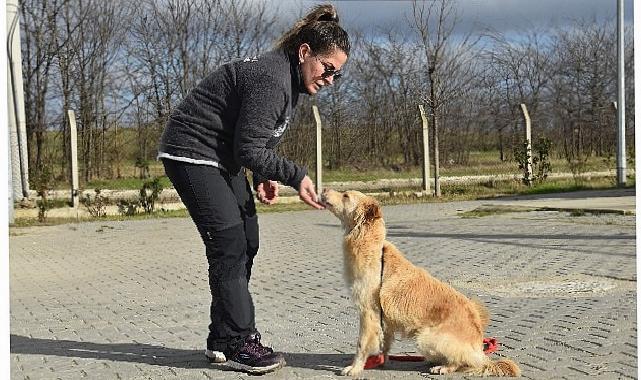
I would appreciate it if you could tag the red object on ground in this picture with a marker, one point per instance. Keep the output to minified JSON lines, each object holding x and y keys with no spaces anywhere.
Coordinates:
{"x":489,"y":345}
{"x":374,"y":361}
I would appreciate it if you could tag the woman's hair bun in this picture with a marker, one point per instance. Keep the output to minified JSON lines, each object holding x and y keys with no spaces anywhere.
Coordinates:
{"x":323,"y":12}
{"x":328,"y":17}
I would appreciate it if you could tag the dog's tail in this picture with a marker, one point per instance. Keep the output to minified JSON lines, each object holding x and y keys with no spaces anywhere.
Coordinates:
{"x":502,"y":367}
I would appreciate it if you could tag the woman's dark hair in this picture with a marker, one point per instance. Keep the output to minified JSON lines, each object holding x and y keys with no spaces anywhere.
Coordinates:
{"x":319,"y":29}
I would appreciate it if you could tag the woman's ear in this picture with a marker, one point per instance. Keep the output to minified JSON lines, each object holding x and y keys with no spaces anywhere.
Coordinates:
{"x":304,"y":51}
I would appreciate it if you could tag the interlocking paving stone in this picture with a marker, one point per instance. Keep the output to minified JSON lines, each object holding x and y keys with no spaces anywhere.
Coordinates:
{"x":130,"y":300}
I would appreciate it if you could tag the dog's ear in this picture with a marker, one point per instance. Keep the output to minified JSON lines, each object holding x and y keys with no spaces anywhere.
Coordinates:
{"x":371,"y":210}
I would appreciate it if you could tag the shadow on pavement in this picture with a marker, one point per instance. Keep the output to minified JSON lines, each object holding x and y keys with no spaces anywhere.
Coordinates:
{"x":121,"y":352}
{"x":172,"y":357}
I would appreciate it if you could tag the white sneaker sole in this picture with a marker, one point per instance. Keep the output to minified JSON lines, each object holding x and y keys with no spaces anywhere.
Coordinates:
{"x":254,"y":370}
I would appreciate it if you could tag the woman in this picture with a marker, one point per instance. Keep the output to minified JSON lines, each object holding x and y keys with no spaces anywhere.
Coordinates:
{"x":233,"y":120}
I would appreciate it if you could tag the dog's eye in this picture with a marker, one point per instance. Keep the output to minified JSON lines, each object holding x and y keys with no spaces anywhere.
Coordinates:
{"x":345,"y":196}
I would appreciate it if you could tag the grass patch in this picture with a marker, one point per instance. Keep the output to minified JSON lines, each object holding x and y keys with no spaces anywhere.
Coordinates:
{"x":282,"y":207}
{"x":33,"y":222}
{"x":577,"y":213}
{"x":491,"y":211}
{"x":58,"y":203}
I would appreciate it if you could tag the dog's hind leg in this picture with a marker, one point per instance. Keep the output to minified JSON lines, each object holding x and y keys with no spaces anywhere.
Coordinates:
{"x":369,"y":342}
{"x":450,"y":353}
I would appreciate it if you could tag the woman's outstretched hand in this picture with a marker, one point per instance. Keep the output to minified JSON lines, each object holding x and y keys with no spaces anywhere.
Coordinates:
{"x":307,"y":194}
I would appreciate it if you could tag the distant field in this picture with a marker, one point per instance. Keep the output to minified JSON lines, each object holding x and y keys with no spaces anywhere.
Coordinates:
{"x":480,"y":163}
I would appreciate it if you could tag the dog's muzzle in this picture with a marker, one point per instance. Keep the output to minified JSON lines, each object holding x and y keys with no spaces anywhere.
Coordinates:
{"x":323,"y":198}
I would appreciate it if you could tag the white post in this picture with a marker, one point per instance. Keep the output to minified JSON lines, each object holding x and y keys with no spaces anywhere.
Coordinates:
{"x":426,"y":151}
{"x":17,"y":123}
{"x":528,"y":138}
{"x":319,"y":152}
{"x":73,"y":133}
{"x":621,"y":164}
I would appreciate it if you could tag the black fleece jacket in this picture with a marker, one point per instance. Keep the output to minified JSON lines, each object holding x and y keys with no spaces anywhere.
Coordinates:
{"x":237,"y":115}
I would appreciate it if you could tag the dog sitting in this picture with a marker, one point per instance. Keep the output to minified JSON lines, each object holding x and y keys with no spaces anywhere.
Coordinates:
{"x":447,"y":326}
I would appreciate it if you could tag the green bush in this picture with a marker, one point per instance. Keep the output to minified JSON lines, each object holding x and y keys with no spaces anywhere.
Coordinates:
{"x":97,"y":206}
{"x":127,"y":207}
{"x":44,"y":182}
{"x":149,"y":194}
{"x":541,"y":166}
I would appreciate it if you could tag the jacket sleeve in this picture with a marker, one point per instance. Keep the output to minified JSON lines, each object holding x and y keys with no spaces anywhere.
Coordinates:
{"x":261,"y":104}
{"x":257,"y":180}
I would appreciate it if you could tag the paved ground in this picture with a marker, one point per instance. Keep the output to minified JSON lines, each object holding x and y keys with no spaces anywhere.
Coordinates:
{"x":129,"y":300}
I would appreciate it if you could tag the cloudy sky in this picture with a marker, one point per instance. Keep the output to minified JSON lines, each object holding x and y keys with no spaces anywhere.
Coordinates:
{"x":501,"y":15}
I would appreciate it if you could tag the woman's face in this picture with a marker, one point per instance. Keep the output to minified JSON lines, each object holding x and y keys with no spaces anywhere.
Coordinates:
{"x":319,"y":70}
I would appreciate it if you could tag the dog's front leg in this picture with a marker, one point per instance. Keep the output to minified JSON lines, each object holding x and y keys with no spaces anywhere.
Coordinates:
{"x":388,"y":339}
{"x":369,"y":342}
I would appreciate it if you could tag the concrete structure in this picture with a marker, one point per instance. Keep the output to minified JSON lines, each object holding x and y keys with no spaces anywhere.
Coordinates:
{"x":15,"y":99}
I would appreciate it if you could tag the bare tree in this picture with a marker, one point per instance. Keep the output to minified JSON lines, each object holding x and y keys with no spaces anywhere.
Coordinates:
{"x":584,"y":87}
{"x":99,"y":30}
{"x":39,"y":23}
{"x":435,"y":21}
{"x":521,"y":71}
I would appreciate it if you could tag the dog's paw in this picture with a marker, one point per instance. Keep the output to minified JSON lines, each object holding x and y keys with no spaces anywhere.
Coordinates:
{"x":442,"y":370}
{"x":346,"y":370}
{"x":351,"y":371}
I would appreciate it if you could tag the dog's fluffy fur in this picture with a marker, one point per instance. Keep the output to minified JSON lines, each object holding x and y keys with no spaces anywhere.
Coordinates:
{"x":447,"y":326}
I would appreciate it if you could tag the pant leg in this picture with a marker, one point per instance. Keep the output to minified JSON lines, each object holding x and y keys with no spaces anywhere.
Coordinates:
{"x":245,"y":199}
{"x":212,"y":199}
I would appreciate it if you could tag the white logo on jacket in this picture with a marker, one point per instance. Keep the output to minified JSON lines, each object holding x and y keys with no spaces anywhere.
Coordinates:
{"x":280,"y":128}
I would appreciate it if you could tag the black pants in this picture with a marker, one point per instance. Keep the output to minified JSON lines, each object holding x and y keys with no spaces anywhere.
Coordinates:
{"x":222,"y":207}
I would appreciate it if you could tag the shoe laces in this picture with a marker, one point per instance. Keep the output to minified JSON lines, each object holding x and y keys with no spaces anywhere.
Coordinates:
{"x":253,"y":341}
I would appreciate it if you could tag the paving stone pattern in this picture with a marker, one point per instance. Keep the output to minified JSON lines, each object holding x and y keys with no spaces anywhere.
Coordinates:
{"x":129,"y":300}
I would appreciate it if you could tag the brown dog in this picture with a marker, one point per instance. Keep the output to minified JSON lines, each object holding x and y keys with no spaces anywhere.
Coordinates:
{"x":447,"y":326}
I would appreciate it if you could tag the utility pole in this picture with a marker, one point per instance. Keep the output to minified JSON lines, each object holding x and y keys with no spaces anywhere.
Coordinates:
{"x":15,"y":97}
{"x":621,"y":164}
{"x":73,"y":144}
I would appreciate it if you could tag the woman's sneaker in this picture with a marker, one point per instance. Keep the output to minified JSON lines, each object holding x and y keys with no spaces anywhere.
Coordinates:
{"x":255,"y":358}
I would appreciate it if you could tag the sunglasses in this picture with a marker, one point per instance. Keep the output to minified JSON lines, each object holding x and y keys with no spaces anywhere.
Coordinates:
{"x":330,"y":70}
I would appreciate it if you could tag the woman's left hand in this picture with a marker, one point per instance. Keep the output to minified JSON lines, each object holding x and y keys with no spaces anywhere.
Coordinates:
{"x":267,"y":192}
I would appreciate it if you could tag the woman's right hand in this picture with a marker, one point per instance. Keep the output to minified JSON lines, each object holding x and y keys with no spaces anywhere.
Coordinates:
{"x":307,"y":194}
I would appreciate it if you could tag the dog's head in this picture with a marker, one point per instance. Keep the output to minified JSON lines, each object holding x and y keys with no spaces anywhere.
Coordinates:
{"x":353,"y":208}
